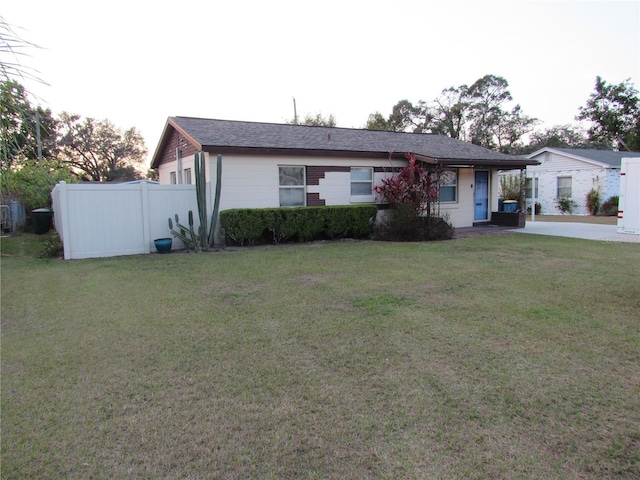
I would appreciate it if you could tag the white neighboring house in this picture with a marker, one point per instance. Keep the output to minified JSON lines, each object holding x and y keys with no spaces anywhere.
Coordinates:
{"x":573,"y":172}
{"x":276,"y":165}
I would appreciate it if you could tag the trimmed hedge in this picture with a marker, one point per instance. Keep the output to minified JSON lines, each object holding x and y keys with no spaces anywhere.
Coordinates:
{"x":258,"y":225}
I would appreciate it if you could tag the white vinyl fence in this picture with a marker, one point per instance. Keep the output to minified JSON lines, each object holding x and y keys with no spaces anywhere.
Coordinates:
{"x":106,"y":220}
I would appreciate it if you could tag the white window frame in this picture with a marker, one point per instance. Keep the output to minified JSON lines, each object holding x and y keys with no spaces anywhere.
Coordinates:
{"x":187,"y":176}
{"x":564,"y":191}
{"x":173,"y":178}
{"x":361,"y":198}
{"x":528,"y":191}
{"x":302,"y":187}
{"x":453,"y":185}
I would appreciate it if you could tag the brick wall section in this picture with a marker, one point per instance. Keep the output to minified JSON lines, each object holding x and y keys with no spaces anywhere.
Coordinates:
{"x":314,"y":200}
{"x":314,"y":174}
{"x":174,"y":141}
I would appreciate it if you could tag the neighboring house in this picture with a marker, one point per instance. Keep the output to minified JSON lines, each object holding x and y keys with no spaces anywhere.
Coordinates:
{"x":573,"y":172}
{"x":272,"y":165}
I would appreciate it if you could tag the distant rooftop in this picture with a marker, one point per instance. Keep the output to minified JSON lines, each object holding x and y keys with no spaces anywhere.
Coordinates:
{"x":609,"y":157}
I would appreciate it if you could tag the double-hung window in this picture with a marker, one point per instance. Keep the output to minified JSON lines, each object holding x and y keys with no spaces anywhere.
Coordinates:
{"x":292,"y":186}
{"x":187,"y":176}
{"x":449,"y":186}
{"x":173,"y":179}
{"x":564,"y":187}
{"x":362,"y":182}
{"x":529,"y":190}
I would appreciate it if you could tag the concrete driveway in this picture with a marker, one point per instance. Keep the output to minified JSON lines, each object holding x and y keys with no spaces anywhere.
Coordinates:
{"x":588,"y":231}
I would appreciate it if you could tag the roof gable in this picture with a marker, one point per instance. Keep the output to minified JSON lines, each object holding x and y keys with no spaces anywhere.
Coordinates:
{"x":604,"y":158}
{"x":218,"y":136}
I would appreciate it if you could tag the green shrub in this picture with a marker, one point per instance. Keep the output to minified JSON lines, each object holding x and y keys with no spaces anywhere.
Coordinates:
{"x":52,"y":247}
{"x":610,"y":207}
{"x":32,"y":183}
{"x":404,"y":224}
{"x":511,"y":188}
{"x":258,"y":225}
{"x":243,"y":225}
{"x":565,"y":204}
{"x":593,"y":201}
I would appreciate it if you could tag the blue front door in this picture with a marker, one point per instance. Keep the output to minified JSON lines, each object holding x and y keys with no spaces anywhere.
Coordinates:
{"x":481,"y":197}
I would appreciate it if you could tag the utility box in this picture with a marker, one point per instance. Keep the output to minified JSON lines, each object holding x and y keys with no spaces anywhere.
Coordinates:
{"x":629,"y":197}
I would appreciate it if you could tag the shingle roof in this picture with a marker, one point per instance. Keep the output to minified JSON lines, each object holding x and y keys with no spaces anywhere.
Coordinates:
{"x":608,"y":157}
{"x":210,"y":134}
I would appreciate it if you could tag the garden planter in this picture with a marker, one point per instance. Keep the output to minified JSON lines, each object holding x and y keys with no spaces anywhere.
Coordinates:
{"x":508,"y":219}
{"x":163,"y":245}
{"x":41,"y":220}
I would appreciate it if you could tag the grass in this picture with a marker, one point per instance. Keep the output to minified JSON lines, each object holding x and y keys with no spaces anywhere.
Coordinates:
{"x":514,"y":356}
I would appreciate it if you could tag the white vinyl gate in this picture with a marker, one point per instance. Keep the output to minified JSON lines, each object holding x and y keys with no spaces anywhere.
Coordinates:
{"x":106,"y":220}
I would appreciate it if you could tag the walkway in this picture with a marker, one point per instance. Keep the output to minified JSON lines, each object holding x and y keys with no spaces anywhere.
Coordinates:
{"x":588,"y":231}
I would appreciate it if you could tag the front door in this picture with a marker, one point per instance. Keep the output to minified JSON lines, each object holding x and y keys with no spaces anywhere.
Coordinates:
{"x":481,"y":197}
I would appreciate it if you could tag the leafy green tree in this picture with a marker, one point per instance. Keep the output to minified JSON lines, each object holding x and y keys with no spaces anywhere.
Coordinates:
{"x":376,"y":121}
{"x":32,"y":182}
{"x":614,"y":111}
{"x":477,"y":113}
{"x":511,"y":127}
{"x":451,"y":110}
{"x":317,"y":120}
{"x":560,"y":136}
{"x":27,"y":132}
{"x":486,"y":98}
{"x":404,"y":117}
{"x":99,"y":151}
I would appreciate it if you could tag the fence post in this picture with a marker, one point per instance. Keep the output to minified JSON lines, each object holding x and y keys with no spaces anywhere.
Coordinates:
{"x":144,"y":192}
{"x":65,"y":234}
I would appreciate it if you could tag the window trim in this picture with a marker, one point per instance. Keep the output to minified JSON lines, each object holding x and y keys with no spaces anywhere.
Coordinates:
{"x":302,"y":187}
{"x":570,"y":187}
{"x":528,"y":191}
{"x":362,"y":198}
{"x":173,"y":178}
{"x":454,"y":187}
{"x":186,"y":175}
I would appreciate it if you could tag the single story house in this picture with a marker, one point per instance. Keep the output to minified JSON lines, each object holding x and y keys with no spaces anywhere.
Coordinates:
{"x":573,"y":172}
{"x":272,"y":165}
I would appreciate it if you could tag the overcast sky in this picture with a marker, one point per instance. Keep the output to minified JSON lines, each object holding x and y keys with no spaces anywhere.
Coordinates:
{"x":138,"y":62}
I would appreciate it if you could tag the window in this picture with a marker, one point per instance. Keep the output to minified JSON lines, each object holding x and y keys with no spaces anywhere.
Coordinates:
{"x":291,"y":186}
{"x":528,"y":191}
{"x":449,"y":186}
{"x":172,"y":178}
{"x":361,"y":181}
{"x":564,"y":187}
{"x":187,"y":176}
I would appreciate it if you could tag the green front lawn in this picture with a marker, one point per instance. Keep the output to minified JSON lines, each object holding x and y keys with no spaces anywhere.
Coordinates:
{"x":511,"y":356}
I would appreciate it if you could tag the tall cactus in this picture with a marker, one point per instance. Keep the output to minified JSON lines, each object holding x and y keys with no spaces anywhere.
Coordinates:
{"x":201,"y":197}
{"x":216,"y":204}
{"x":205,"y":237}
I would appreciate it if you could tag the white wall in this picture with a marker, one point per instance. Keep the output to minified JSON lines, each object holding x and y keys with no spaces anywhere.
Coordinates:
{"x":584,"y":177}
{"x":105,"y":220}
{"x":582,"y":181}
{"x":251,"y":181}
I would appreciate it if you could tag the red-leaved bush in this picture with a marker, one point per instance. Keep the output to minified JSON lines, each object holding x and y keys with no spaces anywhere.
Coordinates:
{"x":413,"y":197}
{"x":414,"y":186}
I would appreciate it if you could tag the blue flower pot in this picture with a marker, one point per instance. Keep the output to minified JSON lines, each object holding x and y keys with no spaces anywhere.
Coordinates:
{"x":163,"y":245}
